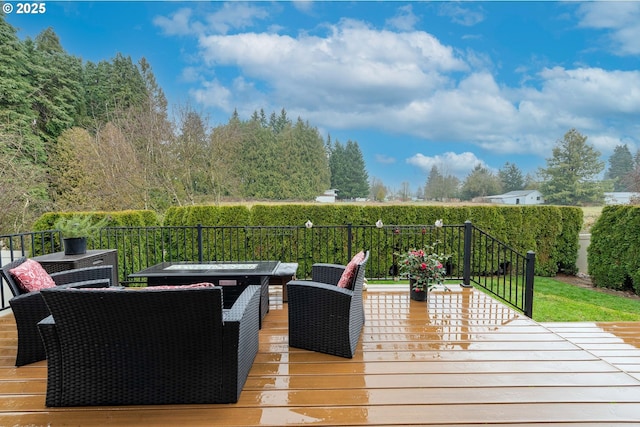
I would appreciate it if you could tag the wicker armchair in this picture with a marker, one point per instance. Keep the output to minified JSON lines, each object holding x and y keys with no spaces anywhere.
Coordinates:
{"x":324,"y":317}
{"x":29,"y":307}
{"x":148,"y":346}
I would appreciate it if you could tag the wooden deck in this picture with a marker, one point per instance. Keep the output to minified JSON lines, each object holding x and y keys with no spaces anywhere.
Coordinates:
{"x":461,"y":359}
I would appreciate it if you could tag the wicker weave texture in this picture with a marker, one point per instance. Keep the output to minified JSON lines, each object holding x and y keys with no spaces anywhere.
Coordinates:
{"x":324,"y":317}
{"x":142,"y":347}
{"x":29,"y":308}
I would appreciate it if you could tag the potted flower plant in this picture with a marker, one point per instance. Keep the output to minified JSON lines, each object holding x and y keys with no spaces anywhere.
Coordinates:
{"x":75,"y":230}
{"x":424,"y":268}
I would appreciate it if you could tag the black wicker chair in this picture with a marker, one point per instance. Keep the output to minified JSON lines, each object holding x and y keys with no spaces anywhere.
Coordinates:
{"x":29,"y":307}
{"x":148,"y":346}
{"x":324,"y":317}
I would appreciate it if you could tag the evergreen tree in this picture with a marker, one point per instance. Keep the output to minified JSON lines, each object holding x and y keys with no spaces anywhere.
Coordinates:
{"x":631,"y":181}
{"x":112,"y":87}
{"x":570,"y":175}
{"x":480,"y":182}
{"x":620,"y":165}
{"x":440,"y":187}
{"x":68,"y":175}
{"x":57,"y":81}
{"x":17,"y":119}
{"x":511,"y":178}
{"x":348,"y":172}
{"x":305,"y":167}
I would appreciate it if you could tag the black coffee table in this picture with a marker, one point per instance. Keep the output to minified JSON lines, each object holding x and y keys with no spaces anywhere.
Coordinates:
{"x":234,"y":276}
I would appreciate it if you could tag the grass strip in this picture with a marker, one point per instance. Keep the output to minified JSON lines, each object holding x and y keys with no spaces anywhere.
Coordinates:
{"x":556,"y":301}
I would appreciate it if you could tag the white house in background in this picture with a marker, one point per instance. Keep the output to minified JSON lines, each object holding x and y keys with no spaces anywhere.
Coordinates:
{"x":329,"y":196}
{"x":521,"y":197}
{"x":620,"y":198}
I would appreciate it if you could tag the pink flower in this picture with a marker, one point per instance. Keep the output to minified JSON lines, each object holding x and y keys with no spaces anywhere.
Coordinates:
{"x":423,"y":266}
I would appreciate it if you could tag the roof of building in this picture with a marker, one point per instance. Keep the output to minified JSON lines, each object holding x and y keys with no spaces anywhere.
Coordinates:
{"x":517,"y":193}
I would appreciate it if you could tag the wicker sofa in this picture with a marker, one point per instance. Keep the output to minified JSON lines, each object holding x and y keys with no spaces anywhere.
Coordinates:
{"x":148,"y":346}
{"x":324,"y":317}
{"x":29,"y":307}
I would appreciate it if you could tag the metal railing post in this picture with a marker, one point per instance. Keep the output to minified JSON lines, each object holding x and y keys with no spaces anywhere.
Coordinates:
{"x":349,"y":240}
{"x":200,"y":250}
{"x":528,"y":284}
{"x":466,"y":261}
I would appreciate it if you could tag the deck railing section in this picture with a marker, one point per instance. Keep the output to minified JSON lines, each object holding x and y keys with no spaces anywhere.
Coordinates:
{"x":477,"y":259}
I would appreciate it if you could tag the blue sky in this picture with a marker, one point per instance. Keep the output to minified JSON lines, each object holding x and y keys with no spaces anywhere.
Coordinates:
{"x":416,"y":84}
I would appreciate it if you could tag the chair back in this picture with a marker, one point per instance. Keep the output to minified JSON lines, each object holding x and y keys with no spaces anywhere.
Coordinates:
{"x":8,"y":277}
{"x":136,"y":344}
{"x":358,"y":277}
{"x":357,"y":305}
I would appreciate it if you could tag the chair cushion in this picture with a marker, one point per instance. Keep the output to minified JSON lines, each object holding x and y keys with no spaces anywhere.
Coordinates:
{"x":348,"y":274}
{"x":31,"y":277}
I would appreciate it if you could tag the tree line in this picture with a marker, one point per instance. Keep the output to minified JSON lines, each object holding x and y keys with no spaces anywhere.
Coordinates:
{"x":573,"y":176}
{"x":78,"y":135}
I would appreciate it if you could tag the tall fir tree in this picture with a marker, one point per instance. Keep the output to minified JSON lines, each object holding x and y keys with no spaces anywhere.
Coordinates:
{"x":348,"y":171}
{"x":57,"y":81}
{"x":511,"y":177}
{"x":439,"y":186}
{"x":17,"y":118}
{"x":480,"y":182}
{"x":620,"y":165}
{"x":570,"y":175}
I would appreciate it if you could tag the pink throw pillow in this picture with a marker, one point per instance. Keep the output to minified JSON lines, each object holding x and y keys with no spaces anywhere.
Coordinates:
{"x":347,"y":276}
{"x":31,"y":277}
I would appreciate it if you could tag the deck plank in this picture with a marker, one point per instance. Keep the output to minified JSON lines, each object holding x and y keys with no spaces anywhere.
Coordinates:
{"x":460,"y":359}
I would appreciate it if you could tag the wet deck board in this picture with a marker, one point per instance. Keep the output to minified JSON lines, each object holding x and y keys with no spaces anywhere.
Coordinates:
{"x":461,"y":359}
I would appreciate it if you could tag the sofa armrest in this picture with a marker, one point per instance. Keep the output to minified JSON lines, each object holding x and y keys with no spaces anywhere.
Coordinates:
{"x":242,"y":306}
{"x":327,"y":273}
{"x":82,"y":274}
{"x":304,"y":294}
{"x":51,"y":341}
{"x":240,"y":339}
{"x":312,"y":286}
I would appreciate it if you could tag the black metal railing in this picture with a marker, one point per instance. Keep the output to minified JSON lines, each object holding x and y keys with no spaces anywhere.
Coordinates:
{"x":477,"y":259}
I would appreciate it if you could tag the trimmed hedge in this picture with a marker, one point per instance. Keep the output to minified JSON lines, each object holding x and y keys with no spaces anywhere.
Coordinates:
{"x":552,"y":232}
{"x":143,"y":218}
{"x":613,"y":255}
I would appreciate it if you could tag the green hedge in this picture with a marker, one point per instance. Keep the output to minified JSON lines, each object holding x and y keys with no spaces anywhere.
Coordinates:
{"x":613,"y":255}
{"x":550,"y":231}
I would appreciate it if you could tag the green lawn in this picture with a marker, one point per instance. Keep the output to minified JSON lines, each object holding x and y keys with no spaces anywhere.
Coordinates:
{"x":556,"y":301}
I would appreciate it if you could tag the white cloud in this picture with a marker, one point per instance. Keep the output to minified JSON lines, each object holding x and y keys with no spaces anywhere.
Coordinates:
{"x":303,"y":5}
{"x":213,"y":94}
{"x":354,"y":68}
{"x":231,"y":16}
{"x":622,"y":19}
{"x":235,"y":15}
{"x":448,"y":163}
{"x":404,"y":20}
{"x":358,"y":77}
{"x":462,"y":15}
{"x":178,"y":24}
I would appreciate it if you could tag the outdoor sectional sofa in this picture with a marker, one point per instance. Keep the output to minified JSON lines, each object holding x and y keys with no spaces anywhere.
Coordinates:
{"x":29,"y":307}
{"x":153,"y":346}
